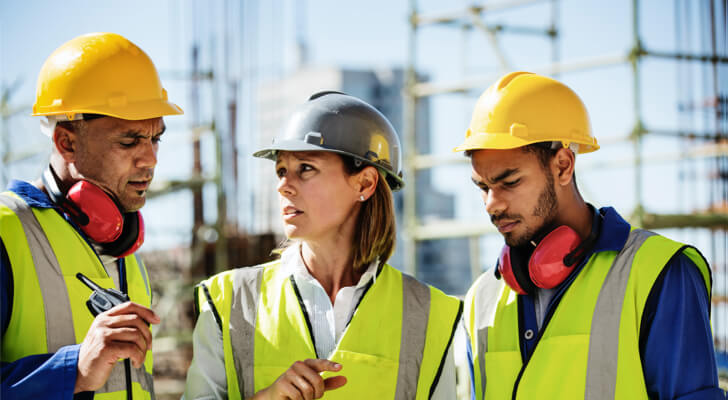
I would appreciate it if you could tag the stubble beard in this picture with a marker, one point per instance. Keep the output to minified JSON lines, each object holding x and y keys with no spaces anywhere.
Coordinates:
{"x":545,"y":208}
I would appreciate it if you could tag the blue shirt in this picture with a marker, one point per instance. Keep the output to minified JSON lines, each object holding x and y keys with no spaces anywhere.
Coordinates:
{"x":40,"y":376}
{"x":676,"y":342}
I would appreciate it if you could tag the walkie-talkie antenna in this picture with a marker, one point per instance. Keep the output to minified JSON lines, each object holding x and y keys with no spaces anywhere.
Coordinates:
{"x":88,"y":282}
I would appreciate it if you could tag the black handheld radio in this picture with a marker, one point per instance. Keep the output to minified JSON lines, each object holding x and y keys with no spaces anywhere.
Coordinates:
{"x":101,"y":299}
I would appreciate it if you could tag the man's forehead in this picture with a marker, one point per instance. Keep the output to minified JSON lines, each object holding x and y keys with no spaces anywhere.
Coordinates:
{"x":490,"y":164}
{"x":122,"y":126}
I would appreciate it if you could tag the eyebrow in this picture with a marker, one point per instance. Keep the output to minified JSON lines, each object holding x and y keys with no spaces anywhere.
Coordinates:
{"x":503,"y":175}
{"x":138,"y":134}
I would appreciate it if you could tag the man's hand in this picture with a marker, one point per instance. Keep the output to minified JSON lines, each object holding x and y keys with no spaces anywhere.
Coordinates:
{"x":121,"y":332}
{"x":303,"y":382}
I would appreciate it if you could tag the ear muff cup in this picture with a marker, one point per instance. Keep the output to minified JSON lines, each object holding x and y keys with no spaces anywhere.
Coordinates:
{"x":511,"y":266}
{"x":98,"y":215}
{"x":105,"y":221}
{"x":548,"y":264}
{"x":130,"y":239}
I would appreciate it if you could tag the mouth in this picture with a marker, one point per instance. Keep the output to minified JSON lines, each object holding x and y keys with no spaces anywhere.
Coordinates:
{"x":506,"y":226}
{"x":140,"y":185}
{"x":290,"y":212}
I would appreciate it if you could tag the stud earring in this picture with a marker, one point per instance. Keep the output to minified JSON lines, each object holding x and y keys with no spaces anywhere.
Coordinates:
{"x":361,"y":198}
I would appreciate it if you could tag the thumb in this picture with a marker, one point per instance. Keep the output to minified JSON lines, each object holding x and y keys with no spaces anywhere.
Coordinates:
{"x":334,"y":382}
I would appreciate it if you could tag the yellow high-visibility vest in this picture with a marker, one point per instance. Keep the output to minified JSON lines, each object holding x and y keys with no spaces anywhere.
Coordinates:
{"x":590,"y":347}
{"x":393,"y":348}
{"x":49,"y":303}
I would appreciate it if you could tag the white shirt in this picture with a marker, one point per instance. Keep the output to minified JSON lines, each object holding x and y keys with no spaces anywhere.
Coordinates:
{"x":206,"y":377}
{"x":328,"y":321}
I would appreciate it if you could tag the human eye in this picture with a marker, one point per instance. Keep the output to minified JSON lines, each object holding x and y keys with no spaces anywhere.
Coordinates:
{"x":157,"y":139}
{"x":128,"y":143}
{"x":280,"y":172}
{"x":482,"y":186}
{"x":305,"y":168}
{"x":513,"y":183}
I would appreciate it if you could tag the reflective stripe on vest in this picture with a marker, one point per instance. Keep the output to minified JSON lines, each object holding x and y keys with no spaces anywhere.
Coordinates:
{"x":374,"y":348}
{"x":601,"y":370}
{"x":590,"y":347}
{"x":43,"y":281}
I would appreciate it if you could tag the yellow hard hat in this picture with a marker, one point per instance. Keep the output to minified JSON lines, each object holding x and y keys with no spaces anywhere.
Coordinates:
{"x":101,"y":73}
{"x":522,"y":108}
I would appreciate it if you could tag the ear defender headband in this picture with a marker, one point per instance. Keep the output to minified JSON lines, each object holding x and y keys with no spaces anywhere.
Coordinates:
{"x":98,"y":215}
{"x":550,"y":262}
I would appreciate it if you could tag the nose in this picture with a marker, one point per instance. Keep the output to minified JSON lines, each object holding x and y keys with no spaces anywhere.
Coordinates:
{"x":147,"y":157}
{"x":286,"y":186}
{"x":494,"y":203}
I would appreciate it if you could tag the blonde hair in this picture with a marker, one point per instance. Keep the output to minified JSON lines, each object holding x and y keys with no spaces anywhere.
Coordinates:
{"x":375,"y":231}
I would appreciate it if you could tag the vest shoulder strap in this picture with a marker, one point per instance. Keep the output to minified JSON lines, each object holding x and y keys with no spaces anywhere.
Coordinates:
{"x":58,"y":315}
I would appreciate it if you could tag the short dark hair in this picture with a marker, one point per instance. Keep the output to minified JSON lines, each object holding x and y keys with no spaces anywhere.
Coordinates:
{"x":545,"y":151}
{"x":76,"y":126}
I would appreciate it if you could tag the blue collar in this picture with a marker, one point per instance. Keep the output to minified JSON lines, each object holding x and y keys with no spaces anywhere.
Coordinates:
{"x":613,"y":233}
{"x":33,"y":196}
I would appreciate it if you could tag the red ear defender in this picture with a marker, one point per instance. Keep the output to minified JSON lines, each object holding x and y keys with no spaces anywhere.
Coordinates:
{"x":505,"y":269}
{"x":105,"y":221}
{"x":546,"y":266}
{"x":98,"y":215}
{"x":139,"y":237}
{"x":548,"y":263}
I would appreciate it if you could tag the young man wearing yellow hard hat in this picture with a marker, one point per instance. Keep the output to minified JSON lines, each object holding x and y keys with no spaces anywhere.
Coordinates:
{"x":102,"y":103}
{"x":580,"y":305}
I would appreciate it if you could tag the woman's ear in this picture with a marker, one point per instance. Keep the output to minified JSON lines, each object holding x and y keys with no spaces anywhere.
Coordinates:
{"x":366,"y":182}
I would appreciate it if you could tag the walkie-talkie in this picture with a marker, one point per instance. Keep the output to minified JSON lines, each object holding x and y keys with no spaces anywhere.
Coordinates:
{"x":101,"y":299}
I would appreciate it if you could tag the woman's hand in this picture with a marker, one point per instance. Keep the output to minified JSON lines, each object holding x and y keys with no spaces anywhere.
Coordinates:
{"x":303,"y":381}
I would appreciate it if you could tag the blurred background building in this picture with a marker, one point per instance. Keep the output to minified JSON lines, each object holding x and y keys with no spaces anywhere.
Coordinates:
{"x":653,"y":75}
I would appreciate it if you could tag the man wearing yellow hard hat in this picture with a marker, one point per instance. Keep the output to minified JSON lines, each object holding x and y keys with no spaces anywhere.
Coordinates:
{"x":580,"y":304}
{"x":75,"y":298}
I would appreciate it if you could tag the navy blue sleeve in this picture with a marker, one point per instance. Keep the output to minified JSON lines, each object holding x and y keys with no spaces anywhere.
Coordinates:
{"x":40,"y":376}
{"x":676,"y":333}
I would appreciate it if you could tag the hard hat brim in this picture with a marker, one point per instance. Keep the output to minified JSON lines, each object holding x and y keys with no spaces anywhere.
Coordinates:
{"x":505,"y":141}
{"x":133,"y":112}
{"x":287,"y":145}
{"x":480,"y":141}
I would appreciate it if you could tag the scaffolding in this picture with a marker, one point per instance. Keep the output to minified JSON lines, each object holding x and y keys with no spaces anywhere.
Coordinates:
{"x":708,"y":144}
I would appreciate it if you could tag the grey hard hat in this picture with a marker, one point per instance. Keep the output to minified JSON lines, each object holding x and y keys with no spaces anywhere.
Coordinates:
{"x":337,"y":122}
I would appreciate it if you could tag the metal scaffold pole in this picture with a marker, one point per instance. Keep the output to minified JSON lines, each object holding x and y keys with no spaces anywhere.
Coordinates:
{"x":410,"y":147}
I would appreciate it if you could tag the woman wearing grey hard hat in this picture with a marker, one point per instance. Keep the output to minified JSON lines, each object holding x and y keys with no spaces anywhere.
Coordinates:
{"x":330,"y":317}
